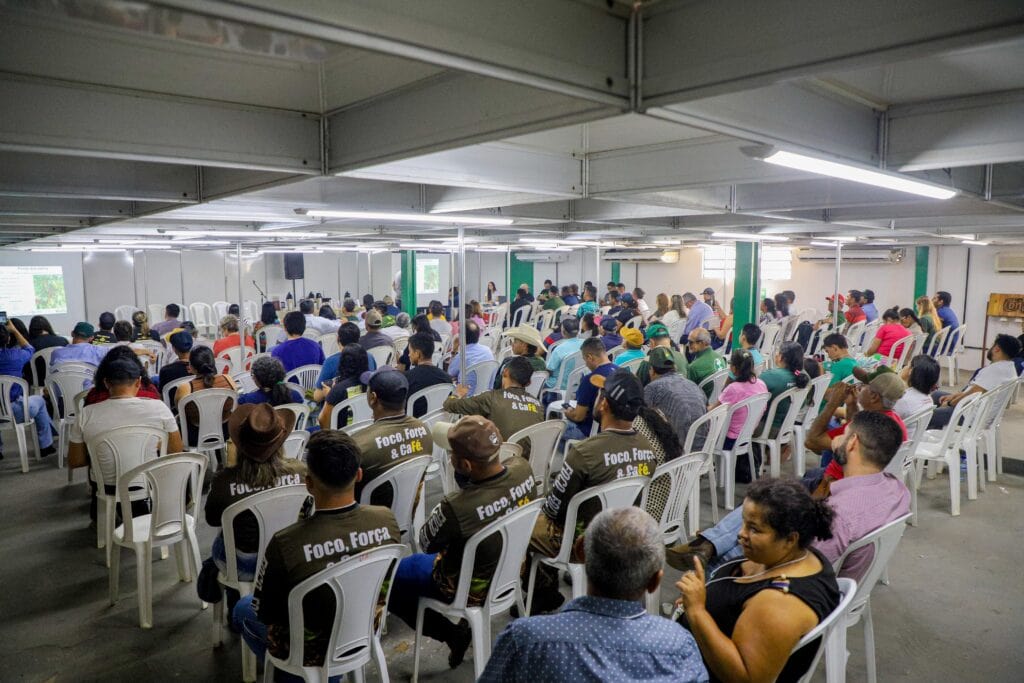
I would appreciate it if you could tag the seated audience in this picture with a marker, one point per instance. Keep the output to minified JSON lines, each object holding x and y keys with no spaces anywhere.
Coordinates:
{"x":909,"y":320}
{"x":554,"y":301}
{"x":750,"y":335}
{"x":491,"y":489}
{"x":854,"y":313}
{"x":725,"y":323}
{"x":105,"y":335}
{"x":315,"y":322}
{"x":889,"y":332}
{"x":769,"y":313}
{"x":581,"y":415}
{"x":181,"y":345}
{"x":641,"y":305}
{"x":268,"y":374}
{"x":570,"y":295}
{"x":526,"y":343}
{"x":1001,"y":369}
{"x":435,"y":311}
{"x":746,"y":384}
{"x":606,"y":635}
{"x":80,"y":350}
{"x":747,"y":623}
{"x":522,"y":299}
{"x":561,"y":354}
{"x":258,"y":433}
{"x":633,"y":341}
{"x":297,"y":350}
{"x":679,"y":399}
{"x":170,"y":321}
{"x":348,"y":333}
{"x":921,"y":377}
{"x":98,"y":391}
{"x":327,"y":313}
{"x":229,"y":336}
{"x":596,"y":460}
{"x":15,"y":352}
{"x":941,"y":302}
{"x":423,"y":372}
{"x":419,"y":325}
{"x":610,"y":333}
{"x":332,"y":463}
{"x":658,"y":336}
{"x":400,"y":330}
{"x":927,"y":317}
{"x":703,"y":361}
{"x":353,"y":362}
{"x":699,"y":314}
{"x":787,"y":373}
{"x":840,"y":363}
{"x":349,"y":313}
{"x":41,"y":335}
{"x":201,"y":363}
{"x":394,"y":437}
{"x":268,"y":316}
{"x":653,"y":425}
{"x":392,"y":309}
{"x":374,"y":337}
{"x":781,"y":305}
{"x":628,"y":312}
{"x":589,"y":303}
{"x":661,"y":308}
{"x":475,"y":353}
{"x":140,"y":326}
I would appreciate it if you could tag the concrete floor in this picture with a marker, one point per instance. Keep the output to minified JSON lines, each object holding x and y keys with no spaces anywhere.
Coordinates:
{"x":954,"y":610}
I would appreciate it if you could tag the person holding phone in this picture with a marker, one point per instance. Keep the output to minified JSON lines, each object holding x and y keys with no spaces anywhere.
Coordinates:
{"x":13,"y":357}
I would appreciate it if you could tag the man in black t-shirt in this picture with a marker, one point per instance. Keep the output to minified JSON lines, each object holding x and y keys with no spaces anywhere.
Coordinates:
{"x":181,"y":343}
{"x":423,"y":372}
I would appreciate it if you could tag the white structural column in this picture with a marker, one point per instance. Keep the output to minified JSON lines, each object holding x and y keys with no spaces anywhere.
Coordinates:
{"x":836,"y":309}
{"x":462,"y":298}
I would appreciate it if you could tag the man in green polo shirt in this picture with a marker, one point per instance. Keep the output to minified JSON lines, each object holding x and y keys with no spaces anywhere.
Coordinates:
{"x":657,"y":336}
{"x":554,"y":302}
{"x":704,"y":362}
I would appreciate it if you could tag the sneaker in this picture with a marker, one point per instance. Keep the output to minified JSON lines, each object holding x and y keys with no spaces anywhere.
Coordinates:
{"x":681,"y":557}
{"x":49,"y":450}
{"x":459,"y":643}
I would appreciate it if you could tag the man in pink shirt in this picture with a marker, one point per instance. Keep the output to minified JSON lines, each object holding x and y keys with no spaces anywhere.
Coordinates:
{"x":865,"y":499}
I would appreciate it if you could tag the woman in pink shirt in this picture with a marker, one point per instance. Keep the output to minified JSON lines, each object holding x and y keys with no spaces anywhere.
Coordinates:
{"x":890,"y":332}
{"x":746,"y":384}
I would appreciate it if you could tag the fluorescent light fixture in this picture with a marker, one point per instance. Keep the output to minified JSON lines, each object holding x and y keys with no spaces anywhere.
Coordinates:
{"x":976,"y":243}
{"x":838,"y":238}
{"x":851,"y":172}
{"x":242,"y":233}
{"x":816,"y":243}
{"x":749,"y":237}
{"x":669,"y":243}
{"x":440,"y":219}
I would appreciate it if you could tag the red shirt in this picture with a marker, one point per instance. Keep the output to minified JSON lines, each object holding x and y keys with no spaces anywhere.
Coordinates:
{"x":854,"y":314}
{"x":98,"y":395}
{"x":834,"y":470}
{"x":234,"y":339}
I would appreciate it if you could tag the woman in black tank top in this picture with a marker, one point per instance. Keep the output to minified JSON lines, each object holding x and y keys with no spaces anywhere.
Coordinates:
{"x":750,"y":615}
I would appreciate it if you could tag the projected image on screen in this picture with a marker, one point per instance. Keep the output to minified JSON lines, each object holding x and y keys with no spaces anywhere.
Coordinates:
{"x":428,"y":276}
{"x":33,"y":290}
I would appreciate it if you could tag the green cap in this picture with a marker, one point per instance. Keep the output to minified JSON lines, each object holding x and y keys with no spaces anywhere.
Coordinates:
{"x":657,"y":331}
{"x":84,"y":330}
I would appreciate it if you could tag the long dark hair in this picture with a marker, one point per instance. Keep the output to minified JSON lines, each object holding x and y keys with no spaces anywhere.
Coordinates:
{"x":892,"y":314}
{"x":201,"y":360}
{"x":662,"y":431}
{"x":268,"y":373}
{"x":769,"y":306}
{"x":39,"y":324}
{"x":742,"y":362}
{"x":782,"y":304}
{"x":909,"y":313}
{"x":792,"y":355}
{"x":353,"y":362}
{"x":115,"y":354}
{"x":789,"y":508}
{"x":588,"y":321}
{"x":268,"y":314}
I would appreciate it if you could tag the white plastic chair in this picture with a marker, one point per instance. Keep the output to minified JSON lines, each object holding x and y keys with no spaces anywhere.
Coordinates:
{"x":401,"y":344}
{"x":202,"y":317}
{"x":883,"y":542}
{"x":899,"y":354}
{"x":7,"y":419}
{"x":171,"y":386}
{"x":484,"y":374}
{"x":166,"y":480}
{"x":712,"y":424}
{"x":634,"y":323}
{"x":301,"y":411}
{"x":505,"y":589}
{"x":267,"y":337}
{"x":816,"y":394}
{"x":832,"y":634}
{"x":854,"y":336}
{"x":938,"y":343}
{"x":772,"y":446}
{"x":683,"y":475}
{"x":621,"y":493}
{"x":383,"y":355}
{"x":295,"y":445}
{"x":573,"y":382}
{"x":244,"y":381}
{"x":405,"y":479}
{"x":988,"y":431}
{"x":356,"y":582}
{"x":544,"y":438}
{"x":435,"y":396}
{"x":355,"y":427}
{"x":233,"y":360}
{"x":44,"y":355}
{"x":110,"y":455}
{"x":209,"y":404}
{"x":274,"y":510}
{"x":955,"y":347}
{"x":755,"y":406}
{"x":944,"y":447}
{"x":220,"y":309}
{"x":536,"y":385}
{"x":305,"y":376}
{"x":716,"y":381}
{"x":633,"y":365}
{"x":902,"y":465}
{"x":125,"y":312}
{"x":357,"y":404}
{"x":63,"y":387}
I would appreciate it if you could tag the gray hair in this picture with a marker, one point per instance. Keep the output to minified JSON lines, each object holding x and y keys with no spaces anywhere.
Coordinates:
{"x":229,"y":323}
{"x":402,"y":319}
{"x":623,"y":550}
{"x":689,"y":297}
{"x":701,"y":335}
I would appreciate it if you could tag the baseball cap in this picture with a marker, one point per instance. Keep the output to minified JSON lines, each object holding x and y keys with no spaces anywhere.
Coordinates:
{"x":388,"y":384}
{"x":526,"y":334}
{"x":661,"y":359}
{"x":888,"y":385}
{"x":708,"y":290}
{"x":632,"y":337}
{"x":657,"y":331}
{"x":373,"y":318}
{"x":842,"y":299}
{"x":609,"y":323}
{"x":388,"y":300}
{"x":473,"y":437}
{"x":621,"y":388}
{"x":83,"y":329}
{"x":181,"y":341}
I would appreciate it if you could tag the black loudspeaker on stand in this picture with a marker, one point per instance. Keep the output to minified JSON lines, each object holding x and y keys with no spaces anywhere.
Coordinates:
{"x":294,"y":269}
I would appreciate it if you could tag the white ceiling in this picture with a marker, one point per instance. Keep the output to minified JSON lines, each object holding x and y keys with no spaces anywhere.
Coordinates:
{"x":571,"y":118}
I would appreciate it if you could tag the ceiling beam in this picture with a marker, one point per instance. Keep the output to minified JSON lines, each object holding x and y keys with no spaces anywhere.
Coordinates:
{"x":65,"y":208}
{"x":696,"y":49}
{"x":58,"y":118}
{"x":440,"y":199}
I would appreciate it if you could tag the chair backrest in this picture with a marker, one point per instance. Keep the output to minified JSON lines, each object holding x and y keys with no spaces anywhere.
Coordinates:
{"x":435,"y":396}
{"x":815,"y":394}
{"x":823,"y":631}
{"x":166,"y":480}
{"x":405,"y":479}
{"x":900,"y":352}
{"x":356,"y":582}
{"x":634,"y":323}
{"x":796,"y":398}
{"x":244,"y":381}
{"x":514,"y":530}
{"x":210,"y":406}
{"x":621,"y":493}
{"x":755,"y":406}
{"x":917,"y":425}
{"x":573,"y":361}
{"x":355,"y":427}
{"x":66,"y":385}
{"x":401,"y":344}
{"x":770,"y":334}
{"x":305,"y":376}
{"x":575,"y":379}
{"x":633,"y":365}
{"x":544,"y":439}
{"x":383,"y":355}
{"x":717,"y":382}
{"x":71,"y":366}
{"x":917,"y":346}
{"x":220,"y":309}
{"x":171,"y":386}
{"x":274,"y":509}
{"x":854,"y":333}
{"x":537,"y":380}
{"x":442,"y":327}
{"x":124,"y":312}
{"x":7,"y":384}
{"x":956,"y":341}
{"x":998,"y":401}
{"x":155,"y":312}
{"x":234,"y":359}
{"x":357,"y":404}
{"x":964,"y":411}
{"x":267,"y":337}
{"x":301,"y":411}
{"x":883,"y":542}
{"x":484,"y":373}
{"x":295,"y":445}
{"x":521,"y":315}
{"x":683,"y":475}
{"x":201,"y":313}
{"x":329,"y":343}
{"x":713,"y":424}
{"x":118,"y":450}
{"x":938,"y":342}
{"x":44,"y":355}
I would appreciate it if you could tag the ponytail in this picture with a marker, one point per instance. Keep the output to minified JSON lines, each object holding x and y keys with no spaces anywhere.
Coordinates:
{"x":792,"y":355}
{"x":203,"y":364}
{"x":742,"y":363}
{"x":821,"y":517}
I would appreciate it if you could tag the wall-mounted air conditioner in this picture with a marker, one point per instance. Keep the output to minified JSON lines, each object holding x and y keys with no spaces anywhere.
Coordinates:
{"x":853,"y":255}
{"x":1010,"y":262}
{"x":543,"y":256}
{"x":651,"y":256}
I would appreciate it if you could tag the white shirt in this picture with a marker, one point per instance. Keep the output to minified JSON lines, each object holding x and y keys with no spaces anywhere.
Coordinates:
{"x":991,"y":376}
{"x":395,"y":332}
{"x":913,"y":401}
{"x":642,"y":306}
{"x":101,"y":417}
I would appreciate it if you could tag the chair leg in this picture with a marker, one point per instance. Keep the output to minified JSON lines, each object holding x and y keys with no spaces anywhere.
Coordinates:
{"x":869,"y":643}
{"x":248,"y":664}
{"x":913,"y":505}
{"x":144,"y":579}
{"x":180,"y":559}
{"x":416,"y":644}
{"x":835,"y":654}
{"x":19,"y":435}
{"x":729,"y":481}
{"x":115,"y":574}
{"x":530,"y":584}
{"x":382,"y":664}
{"x":193,"y":545}
{"x":970,"y":451}
{"x":478,"y":626}
{"x":991,"y":444}
{"x":954,"y":488}
{"x":217,"y":633}
{"x":713,"y":487}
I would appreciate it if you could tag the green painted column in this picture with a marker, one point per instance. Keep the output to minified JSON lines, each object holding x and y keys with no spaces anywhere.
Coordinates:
{"x":920,"y":272}
{"x":746,"y":287}
{"x":615,"y":274}
{"x":519,"y":272}
{"x":408,"y":281}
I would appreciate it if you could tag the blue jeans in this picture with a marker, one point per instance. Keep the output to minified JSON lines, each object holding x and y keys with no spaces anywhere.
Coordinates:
{"x":37,"y":411}
{"x":572,"y":432}
{"x":254,"y":633}
{"x":414,"y":580}
{"x":723,"y":537}
{"x":246,"y":561}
